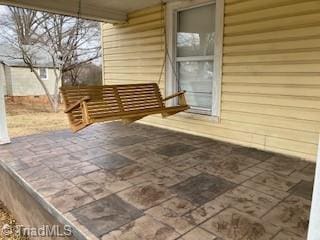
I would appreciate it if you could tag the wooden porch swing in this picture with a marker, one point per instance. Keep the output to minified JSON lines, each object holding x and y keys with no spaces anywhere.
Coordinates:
{"x":129,"y":103}
{"x":126,"y":102}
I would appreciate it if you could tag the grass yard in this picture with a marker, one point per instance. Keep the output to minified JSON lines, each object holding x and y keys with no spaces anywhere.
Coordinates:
{"x":26,"y":119}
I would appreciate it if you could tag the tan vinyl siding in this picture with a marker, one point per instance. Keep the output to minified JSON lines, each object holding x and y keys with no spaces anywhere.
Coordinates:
{"x":134,"y":52}
{"x":271,"y":73}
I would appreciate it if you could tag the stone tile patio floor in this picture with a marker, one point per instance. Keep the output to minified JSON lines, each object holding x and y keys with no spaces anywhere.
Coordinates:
{"x":141,"y":182}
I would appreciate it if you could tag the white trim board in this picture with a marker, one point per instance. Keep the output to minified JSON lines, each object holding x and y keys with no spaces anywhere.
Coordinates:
{"x":314,"y":223}
{"x":4,"y":136}
{"x":171,"y":10}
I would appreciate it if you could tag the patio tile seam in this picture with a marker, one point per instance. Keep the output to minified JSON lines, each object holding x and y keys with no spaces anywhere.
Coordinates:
{"x":257,"y":190}
{"x":158,"y":204}
{"x":215,"y":214}
{"x":275,"y":235}
{"x":164,"y":223}
{"x":89,"y":194}
{"x":61,"y":174}
{"x":272,"y":237}
{"x":119,"y":227}
{"x":143,"y":210}
{"x":198,"y":207}
{"x":277,"y":172}
{"x":301,"y":170}
{"x":61,"y":181}
{"x":283,"y":200}
{"x":84,"y":205}
{"x":287,"y":231}
{"x":198,"y":226}
{"x":158,"y":220}
{"x":151,"y":170}
{"x":247,"y":168}
{"x":112,"y":193}
{"x":268,"y":171}
{"x":255,"y":165}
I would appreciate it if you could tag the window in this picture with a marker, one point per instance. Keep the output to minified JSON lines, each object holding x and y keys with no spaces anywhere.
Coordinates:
{"x":195,"y":49}
{"x":195,"y":44}
{"x":43,"y":73}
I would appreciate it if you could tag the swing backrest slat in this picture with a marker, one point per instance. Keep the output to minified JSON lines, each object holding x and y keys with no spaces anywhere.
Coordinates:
{"x":114,"y":99}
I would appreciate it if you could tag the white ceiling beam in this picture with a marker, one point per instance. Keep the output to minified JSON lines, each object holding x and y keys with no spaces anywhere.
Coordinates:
{"x":70,"y":7}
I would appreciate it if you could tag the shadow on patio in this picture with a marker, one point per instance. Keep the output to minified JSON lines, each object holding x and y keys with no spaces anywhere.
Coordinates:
{"x":142,"y":182}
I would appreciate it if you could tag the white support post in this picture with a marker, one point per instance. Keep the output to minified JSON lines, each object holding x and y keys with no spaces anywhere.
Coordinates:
{"x":4,"y":137}
{"x":314,"y":223}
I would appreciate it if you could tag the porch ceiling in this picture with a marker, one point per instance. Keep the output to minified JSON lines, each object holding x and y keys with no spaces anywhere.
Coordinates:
{"x":100,"y":10}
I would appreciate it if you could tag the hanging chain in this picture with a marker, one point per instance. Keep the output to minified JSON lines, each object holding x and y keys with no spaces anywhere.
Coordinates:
{"x":166,"y":55}
{"x":77,"y":30}
{"x":163,"y":42}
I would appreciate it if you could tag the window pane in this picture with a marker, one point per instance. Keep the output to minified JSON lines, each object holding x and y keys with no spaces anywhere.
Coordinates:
{"x":195,"y":35}
{"x":196,"y":78}
{"x":43,"y":73}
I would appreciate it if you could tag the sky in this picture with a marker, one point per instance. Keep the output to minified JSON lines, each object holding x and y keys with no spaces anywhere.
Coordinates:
{"x":2,"y":9}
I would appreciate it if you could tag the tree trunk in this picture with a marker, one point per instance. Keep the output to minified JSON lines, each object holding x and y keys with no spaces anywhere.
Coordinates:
{"x":53,"y":100}
{"x":56,"y":105}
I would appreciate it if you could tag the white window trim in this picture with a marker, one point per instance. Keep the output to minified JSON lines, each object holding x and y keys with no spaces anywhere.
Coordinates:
{"x":47,"y":73}
{"x":171,"y":10}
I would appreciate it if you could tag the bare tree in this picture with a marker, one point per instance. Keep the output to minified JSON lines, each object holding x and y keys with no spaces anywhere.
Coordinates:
{"x":85,"y":74}
{"x":72,"y":41}
{"x":74,"y":75}
{"x":68,"y":42}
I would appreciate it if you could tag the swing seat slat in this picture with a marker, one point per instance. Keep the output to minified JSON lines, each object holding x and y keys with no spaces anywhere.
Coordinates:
{"x":131,"y":102}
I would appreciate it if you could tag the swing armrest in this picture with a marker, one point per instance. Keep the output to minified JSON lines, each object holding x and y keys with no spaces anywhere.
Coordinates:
{"x":174,"y":95}
{"x":76,"y":104}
